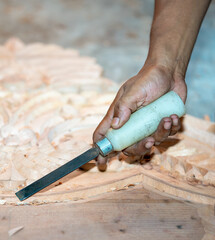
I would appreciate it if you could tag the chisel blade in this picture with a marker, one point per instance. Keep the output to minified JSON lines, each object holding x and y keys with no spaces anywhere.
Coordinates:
{"x":57,"y":174}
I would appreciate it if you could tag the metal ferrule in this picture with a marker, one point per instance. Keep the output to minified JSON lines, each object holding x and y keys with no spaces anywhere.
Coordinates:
{"x":104,"y":146}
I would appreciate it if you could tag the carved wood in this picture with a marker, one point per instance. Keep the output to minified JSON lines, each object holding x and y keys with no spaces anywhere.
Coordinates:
{"x":51,"y":101}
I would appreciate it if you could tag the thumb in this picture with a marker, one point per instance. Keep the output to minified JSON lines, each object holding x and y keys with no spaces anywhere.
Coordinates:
{"x":124,"y":107}
{"x":131,"y":101}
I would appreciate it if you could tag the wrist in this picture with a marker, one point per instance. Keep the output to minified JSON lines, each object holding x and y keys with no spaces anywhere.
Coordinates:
{"x":169,"y":60}
{"x":165,"y":73}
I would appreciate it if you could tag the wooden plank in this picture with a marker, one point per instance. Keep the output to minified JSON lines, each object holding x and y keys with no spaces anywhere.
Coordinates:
{"x":131,"y":214}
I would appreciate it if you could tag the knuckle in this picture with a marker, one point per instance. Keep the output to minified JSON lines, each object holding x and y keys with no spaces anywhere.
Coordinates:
{"x":117,"y":107}
{"x":141,"y":149}
{"x":126,"y":153}
{"x":158,"y":137}
{"x":94,"y":136}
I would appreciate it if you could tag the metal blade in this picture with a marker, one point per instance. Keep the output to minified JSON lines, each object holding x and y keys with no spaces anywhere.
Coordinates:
{"x":57,"y":174}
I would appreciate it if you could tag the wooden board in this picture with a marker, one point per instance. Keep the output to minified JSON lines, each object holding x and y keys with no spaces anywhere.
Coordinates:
{"x":132,"y":214}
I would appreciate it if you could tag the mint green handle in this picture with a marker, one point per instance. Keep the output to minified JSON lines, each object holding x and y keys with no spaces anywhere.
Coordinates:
{"x":145,"y":121}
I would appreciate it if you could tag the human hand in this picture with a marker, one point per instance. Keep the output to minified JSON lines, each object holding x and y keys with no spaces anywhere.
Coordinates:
{"x":148,"y":85}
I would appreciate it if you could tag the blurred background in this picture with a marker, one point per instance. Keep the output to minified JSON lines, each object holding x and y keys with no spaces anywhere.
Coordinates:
{"x":116,"y":33}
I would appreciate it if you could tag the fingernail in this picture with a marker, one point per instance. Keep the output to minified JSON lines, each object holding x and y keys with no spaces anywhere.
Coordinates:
{"x":102,"y":167}
{"x":125,"y":153}
{"x":167,"y":125}
{"x":175,"y":121}
{"x":149,"y":144}
{"x":115,"y":122}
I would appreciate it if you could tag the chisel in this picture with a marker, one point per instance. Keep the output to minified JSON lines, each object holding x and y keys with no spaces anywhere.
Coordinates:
{"x":141,"y":124}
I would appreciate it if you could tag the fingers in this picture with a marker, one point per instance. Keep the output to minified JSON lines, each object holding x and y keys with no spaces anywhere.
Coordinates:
{"x":140,"y":148}
{"x":127,"y":104}
{"x":163,"y":130}
{"x":168,"y":126}
{"x":101,"y":163}
{"x":105,"y":124}
{"x":122,"y":111}
{"x":102,"y":129}
{"x":176,"y":124}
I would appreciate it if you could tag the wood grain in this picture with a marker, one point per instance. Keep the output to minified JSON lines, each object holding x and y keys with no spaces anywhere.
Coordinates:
{"x":132,"y":214}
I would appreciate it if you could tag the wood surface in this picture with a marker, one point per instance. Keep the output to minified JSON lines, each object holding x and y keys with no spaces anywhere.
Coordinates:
{"x":59,"y":105}
{"x":69,"y":91}
{"x":135,"y":213}
{"x":121,"y":175}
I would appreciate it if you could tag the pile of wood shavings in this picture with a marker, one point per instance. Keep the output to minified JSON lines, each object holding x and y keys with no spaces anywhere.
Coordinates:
{"x":52,"y":99}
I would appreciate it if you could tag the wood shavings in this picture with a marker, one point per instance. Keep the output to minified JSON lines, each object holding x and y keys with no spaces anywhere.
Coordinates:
{"x":48,"y":109}
{"x":15,"y":230}
{"x":188,"y":159}
{"x":2,"y":202}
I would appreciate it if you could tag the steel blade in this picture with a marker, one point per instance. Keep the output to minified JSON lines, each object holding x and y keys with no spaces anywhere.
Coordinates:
{"x":57,"y":174}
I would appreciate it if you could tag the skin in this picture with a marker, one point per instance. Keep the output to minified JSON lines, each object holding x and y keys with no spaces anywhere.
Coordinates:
{"x":173,"y":34}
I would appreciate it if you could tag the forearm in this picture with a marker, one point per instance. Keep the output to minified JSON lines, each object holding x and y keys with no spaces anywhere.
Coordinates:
{"x":174,"y":31}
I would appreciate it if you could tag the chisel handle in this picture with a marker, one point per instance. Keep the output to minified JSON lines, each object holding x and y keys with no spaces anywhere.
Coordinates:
{"x":141,"y":123}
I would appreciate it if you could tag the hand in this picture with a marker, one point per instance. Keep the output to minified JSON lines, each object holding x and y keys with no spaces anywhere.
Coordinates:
{"x":148,"y":85}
